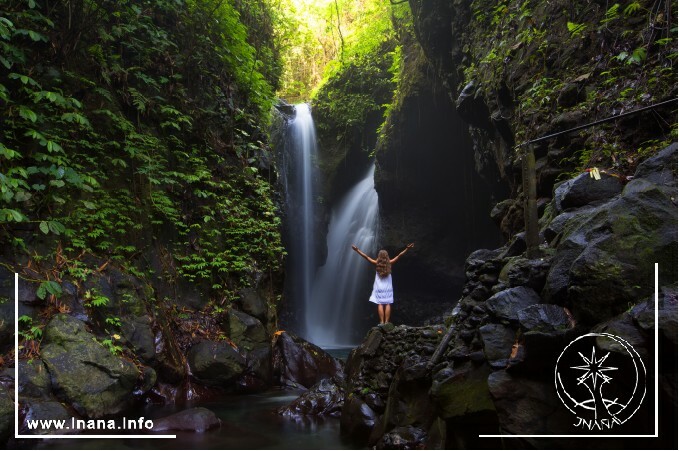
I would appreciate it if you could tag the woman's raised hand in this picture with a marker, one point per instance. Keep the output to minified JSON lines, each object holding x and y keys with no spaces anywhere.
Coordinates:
{"x":353,"y":246}
{"x":410,"y":246}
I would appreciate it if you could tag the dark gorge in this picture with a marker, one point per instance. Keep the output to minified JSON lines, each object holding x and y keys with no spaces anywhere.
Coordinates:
{"x":182,"y":181}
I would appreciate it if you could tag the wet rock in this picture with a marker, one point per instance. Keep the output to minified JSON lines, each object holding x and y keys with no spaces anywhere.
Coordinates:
{"x":507,"y":303}
{"x":584,"y":190}
{"x":137,"y":331}
{"x":622,"y":326}
{"x":84,"y":373}
{"x":408,"y":402}
{"x":405,"y":437}
{"x":326,"y":398}
{"x":497,"y":343}
{"x":35,"y":379}
{"x":461,"y":391}
{"x":198,"y":419}
{"x":658,"y":169}
{"x":253,"y":304}
{"x":644,"y":315}
{"x":607,"y":253}
{"x":260,"y":368}
{"x":44,"y":410}
{"x":246,"y":331}
{"x":527,"y":406}
{"x":520,"y":271}
{"x":300,"y":363}
{"x":357,"y":419}
{"x":149,"y":379}
{"x":215,"y":363}
{"x":472,"y":108}
{"x":544,"y":318}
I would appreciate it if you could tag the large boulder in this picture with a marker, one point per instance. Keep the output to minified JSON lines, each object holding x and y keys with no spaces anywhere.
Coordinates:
{"x":409,"y":403}
{"x":584,"y":190}
{"x":83,"y":372}
{"x":326,"y":398}
{"x":245,"y":330}
{"x":300,"y":363}
{"x":253,"y":304}
{"x":498,"y":340}
{"x":357,"y":420}
{"x":526,"y":406}
{"x":36,"y":410}
{"x":506,"y":304}
{"x":604,"y":255}
{"x":215,"y":363}
{"x":35,"y":379}
{"x":461,"y":391}
{"x":140,"y":338}
{"x":197,"y":419}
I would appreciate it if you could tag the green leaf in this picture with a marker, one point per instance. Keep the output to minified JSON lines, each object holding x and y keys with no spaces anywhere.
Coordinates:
{"x":44,"y":228}
{"x":56,"y":227}
{"x":27,"y":113}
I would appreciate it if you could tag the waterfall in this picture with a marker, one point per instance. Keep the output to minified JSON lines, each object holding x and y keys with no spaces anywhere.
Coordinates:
{"x":298,"y":174}
{"x":325,"y":298}
{"x":341,"y":283}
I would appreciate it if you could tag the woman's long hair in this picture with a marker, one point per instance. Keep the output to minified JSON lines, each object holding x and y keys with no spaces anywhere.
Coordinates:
{"x":383,"y":265}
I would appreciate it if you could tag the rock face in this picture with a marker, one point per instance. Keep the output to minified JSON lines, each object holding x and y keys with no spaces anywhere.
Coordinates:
{"x":300,"y":363}
{"x":429,"y":193}
{"x":607,"y":252}
{"x":386,"y":382}
{"x":83,"y":372}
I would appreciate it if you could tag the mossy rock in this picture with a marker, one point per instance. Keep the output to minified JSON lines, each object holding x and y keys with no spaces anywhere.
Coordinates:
{"x":463,"y":392}
{"x":83,"y":372}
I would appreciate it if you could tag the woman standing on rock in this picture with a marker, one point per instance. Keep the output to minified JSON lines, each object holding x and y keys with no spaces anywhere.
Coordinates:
{"x":383,"y":291}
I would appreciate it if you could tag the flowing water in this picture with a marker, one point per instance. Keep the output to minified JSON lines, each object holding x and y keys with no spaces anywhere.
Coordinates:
{"x":338,"y":285}
{"x":248,"y":422}
{"x":327,"y":295}
{"x":298,"y":175}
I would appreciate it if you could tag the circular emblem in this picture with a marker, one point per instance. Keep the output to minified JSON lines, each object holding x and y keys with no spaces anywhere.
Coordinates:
{"x":601,"y":379}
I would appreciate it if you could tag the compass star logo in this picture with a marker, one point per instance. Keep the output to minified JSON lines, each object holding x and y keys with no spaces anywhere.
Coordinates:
{"x":591,"y":383}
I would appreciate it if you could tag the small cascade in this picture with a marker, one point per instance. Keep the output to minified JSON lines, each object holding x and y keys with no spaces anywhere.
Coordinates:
{"x":344,"y":280}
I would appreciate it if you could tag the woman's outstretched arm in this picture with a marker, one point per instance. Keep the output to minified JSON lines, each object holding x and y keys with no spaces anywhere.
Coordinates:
{"x":395,"y":259}
{"x":362,"y":254}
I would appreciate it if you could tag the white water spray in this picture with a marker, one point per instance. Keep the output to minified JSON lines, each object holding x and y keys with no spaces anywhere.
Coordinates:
{"x":339,"y":283}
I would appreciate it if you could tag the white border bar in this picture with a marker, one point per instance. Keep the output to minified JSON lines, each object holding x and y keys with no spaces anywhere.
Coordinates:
{"x":16,"y":389}
{"x":656,"y":378}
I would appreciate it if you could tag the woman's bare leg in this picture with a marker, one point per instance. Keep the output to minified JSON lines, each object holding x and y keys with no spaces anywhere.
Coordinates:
{"x":387,"y":313}
{"x":380,"y":312}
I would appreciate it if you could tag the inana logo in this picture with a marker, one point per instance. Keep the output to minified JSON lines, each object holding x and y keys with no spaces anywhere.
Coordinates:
{"x":601,"y":379}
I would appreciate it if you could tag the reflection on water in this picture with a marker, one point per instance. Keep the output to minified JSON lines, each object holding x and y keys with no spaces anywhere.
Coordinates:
{"x":248,"y":422}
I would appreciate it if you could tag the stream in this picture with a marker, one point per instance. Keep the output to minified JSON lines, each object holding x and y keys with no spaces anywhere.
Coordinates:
{"x":248,"y":422}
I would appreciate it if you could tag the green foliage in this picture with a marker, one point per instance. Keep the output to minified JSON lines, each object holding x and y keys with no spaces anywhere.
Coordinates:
{"x":48,"y":286}
{"x":576,"y":29}
{"x":95,"y":299}
{"x":136,"y":125}
{"x":363,"y":81}
{"x":112,"y":345}
{"x":28,"y":330}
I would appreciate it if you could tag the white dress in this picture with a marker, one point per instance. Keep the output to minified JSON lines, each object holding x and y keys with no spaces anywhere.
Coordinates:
{"x":383,"y":291}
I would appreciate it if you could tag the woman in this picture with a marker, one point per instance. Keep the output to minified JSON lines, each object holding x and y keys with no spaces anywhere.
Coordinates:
{"x":383,"y":291}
